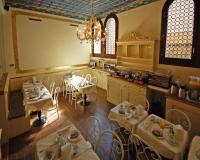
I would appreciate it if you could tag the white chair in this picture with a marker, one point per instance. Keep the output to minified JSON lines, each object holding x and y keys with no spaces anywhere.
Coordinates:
{"x":109,"y":146}
{"x":76,"y":96}
{"x":124,"y":134}
{"x":51,"y":88}
{"x":141,"y":100}
{"x":68,"y":91}
{"x":93,"y":130}
{"x":143,"y":150}
{"x":55,"y":103}
{"x":93,"y":91}
{"x":88,"y":77}
{"x":176,"y":116}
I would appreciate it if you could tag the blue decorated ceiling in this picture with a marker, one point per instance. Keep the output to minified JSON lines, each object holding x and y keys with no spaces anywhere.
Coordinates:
{"x":79,"y":9}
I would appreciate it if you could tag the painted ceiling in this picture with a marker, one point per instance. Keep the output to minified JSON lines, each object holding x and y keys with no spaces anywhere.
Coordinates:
{"x":79,"y":9}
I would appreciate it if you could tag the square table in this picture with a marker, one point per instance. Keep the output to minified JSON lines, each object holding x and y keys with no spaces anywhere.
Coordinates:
{"x":194,"y":148}
{"x":130,"y":122}
{"x":162,"y":146}
{"x":84,"y":153}
{"x":81,"y":84}
{"x":44,"y":99}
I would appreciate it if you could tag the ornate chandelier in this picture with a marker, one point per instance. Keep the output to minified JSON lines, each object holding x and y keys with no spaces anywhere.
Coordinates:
{"x":92,"y":30}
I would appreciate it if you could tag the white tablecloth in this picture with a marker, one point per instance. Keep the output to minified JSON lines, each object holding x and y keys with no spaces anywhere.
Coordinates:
{"x":195,"y":146}
{"x":175,"y":152}
{"x":45,"y":98}
{"x":80,"y":83}
{"x":129,"y":122}
{"x":85,"y":152}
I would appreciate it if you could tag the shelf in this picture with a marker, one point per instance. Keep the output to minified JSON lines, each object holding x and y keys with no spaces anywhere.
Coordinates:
{"x":138,"y":42}
{"x":136,"y":54}
{"x":145,"y":67}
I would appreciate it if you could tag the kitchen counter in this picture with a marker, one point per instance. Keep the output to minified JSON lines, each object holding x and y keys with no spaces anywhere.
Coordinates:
{"x":131,"y":83}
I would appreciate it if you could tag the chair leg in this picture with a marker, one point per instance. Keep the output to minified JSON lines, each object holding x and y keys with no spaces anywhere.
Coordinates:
{"x":57,"y":112}
{"x":75,"y":103}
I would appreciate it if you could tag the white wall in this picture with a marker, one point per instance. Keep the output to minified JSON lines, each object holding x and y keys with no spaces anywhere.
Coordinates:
{"x":147,"y":21}
{"x":48,"y":43}
{"x":57,"y":44}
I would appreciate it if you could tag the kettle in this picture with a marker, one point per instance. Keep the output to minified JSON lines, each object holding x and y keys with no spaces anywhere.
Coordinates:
{"x":174,"y":89}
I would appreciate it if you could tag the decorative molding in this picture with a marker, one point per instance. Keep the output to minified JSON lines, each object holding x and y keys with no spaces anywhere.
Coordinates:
{"x":134,"y":36}
{"x":78,"y":9}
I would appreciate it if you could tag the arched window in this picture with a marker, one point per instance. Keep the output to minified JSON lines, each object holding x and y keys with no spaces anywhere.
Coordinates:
{"x":111,"y":24}
{"x":179,"y":32}
{"x":97,"y":45}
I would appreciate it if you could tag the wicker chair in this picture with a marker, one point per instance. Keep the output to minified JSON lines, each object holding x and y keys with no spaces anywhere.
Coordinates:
{"x":143,"y":150}
{"x":176,"y":116}
{"x":109,"y":146}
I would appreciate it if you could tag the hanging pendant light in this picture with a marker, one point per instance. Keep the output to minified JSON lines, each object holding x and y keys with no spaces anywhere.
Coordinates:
{"x":92,"y":29}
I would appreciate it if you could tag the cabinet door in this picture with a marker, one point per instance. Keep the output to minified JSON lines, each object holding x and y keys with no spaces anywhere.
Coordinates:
{"x":134,"y":91}
{"x":113,"y":92}
{"x":104,"y":81}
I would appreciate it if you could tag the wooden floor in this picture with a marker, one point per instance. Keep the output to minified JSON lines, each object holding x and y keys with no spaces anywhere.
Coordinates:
{"x":22,"y":147}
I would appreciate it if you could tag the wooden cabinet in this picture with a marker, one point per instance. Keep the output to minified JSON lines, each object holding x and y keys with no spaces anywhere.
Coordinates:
{"x":114,"y":91}
{"x":101,"y":76}
{"x":120,"y":90}
{"x":192,"y":111}
{"x":134,"y":90}
{"x":136,"y":54}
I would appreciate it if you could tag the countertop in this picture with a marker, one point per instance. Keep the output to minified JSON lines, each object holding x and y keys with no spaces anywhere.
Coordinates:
{"x":125,"y":80}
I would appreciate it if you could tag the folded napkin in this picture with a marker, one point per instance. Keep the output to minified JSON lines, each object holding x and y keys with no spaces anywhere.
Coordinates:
{"x":66,"y":152}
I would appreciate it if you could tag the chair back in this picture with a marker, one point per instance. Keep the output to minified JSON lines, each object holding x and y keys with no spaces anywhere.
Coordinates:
{"x":94,"y":80}
{"x":88,"y":77}
{"x":51,"y":88}
{"x":93,"y":130}
{"x":109,"y":146}
{"x":141,"y":100}
{"x":176,"y":116}
{"x":116,"y":125}
{"x":56,"y":94}
{"x":143,"y":150}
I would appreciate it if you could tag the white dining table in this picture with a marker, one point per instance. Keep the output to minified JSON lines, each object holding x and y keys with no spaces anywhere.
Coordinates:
{"x":130,"y":121}
{"x":81,"y":84}
{"x":194,"y":152}
{"x":85,"y":149}
{"x":43,"y":99}
{"x":163,"y":146}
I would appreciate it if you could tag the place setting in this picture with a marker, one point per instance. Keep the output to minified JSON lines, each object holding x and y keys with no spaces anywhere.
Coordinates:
{"x":163,"y":130}
{"x":129,"y":110}
{"x":68,"y":144}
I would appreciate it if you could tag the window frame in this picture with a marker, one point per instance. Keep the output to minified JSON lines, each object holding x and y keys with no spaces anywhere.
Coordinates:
{"x":95,"y":54}
{"x":116,"y":35}
{"x":195,"y":55}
